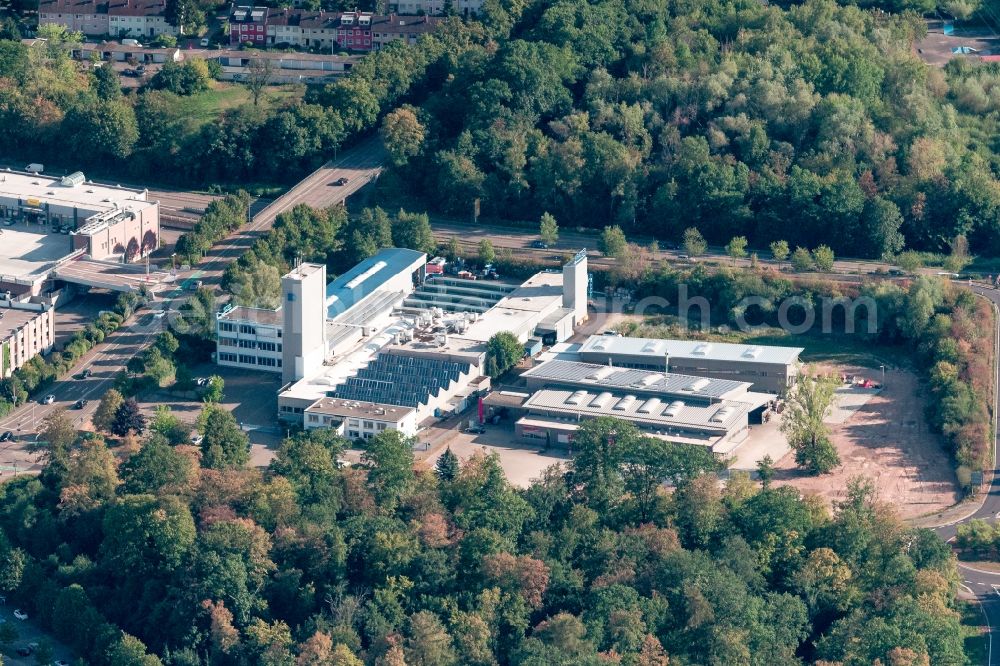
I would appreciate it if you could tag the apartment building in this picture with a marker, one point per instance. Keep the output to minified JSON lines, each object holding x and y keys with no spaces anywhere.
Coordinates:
{"x":139,"y":18}
{"x":248,"y":24}
{"x":464,"y":8}
{"x":26,"y":330}
{"x":118,"y":18}
{"x":407,"y":28}
{"x":87,"y":16}
{"x":354,"y":31}
{"x":249,"y":338}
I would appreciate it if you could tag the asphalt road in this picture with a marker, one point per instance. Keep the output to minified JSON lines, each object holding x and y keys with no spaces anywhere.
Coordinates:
{"x":104,"y":361}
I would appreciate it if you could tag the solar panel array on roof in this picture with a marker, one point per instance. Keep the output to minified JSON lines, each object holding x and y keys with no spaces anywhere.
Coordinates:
{"x":394,"y":379}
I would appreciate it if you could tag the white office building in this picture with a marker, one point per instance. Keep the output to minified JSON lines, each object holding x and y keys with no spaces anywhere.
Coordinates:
{"x":249,"y":338}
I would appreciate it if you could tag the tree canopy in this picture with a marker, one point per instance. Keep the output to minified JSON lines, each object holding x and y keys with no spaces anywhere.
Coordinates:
{"x":170,"y":555}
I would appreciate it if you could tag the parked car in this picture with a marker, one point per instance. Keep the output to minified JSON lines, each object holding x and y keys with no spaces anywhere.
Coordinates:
{"x":6,"y":437}
{"x":195,"y":285}
{"x":478,"y":430}
{"x":49,"y":399}
{"x":197,"y":440}
{"x":25,"y":651}
{"x":86,"y":373}
{"x":80,"y":404}
{"x":8,"y":223}
{"x":541,"y":245}
{"x":20,"y":615}
{"x":205,"y":42}
{"x":340,"y":181}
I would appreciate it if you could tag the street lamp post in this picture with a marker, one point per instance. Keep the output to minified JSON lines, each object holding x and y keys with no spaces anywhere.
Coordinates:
{"x":883,"y":375}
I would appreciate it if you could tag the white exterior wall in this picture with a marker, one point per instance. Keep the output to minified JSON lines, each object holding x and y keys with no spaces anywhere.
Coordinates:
{"x":247,"y":344}
{"x":361,"y":427}
{"x":33,"y":338}
{"x":436,"y":7}
{"x":89,"y":24}
{"x":140,"y":26}
{"x":303,"y":296}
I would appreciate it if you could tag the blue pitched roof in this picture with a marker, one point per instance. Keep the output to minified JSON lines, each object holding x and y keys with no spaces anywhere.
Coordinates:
{"x":367,"y":276}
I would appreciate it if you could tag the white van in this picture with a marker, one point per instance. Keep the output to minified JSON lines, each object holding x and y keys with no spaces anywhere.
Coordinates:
{"x":34,"y":167}
{"x":131,"y":42}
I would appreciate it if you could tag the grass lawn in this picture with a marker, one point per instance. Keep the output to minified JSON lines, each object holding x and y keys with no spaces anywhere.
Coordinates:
{"x":974,"y":632}
{"x":206,"y":106}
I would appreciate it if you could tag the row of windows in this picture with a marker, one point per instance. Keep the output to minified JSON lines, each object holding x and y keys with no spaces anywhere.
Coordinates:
{"x":249,"y":344}
{"x":368,"y":425}
{"x":245,"y":329}
{"x":246,"y":359}
{"x":290,"y":410}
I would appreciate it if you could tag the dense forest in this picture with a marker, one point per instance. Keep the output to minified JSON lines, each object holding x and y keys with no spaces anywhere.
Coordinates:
{"x":204,"y":561}
{"x":813,"y":123}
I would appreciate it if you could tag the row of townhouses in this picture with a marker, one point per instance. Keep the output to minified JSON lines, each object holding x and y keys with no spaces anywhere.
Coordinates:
{"x":127,"y":18}
{"x":357,"y":31}
{"x":257,"y":25}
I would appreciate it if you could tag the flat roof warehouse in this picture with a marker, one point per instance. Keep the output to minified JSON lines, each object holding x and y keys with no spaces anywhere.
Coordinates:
{"x":60,"y":191}
{"x":695,"y":349}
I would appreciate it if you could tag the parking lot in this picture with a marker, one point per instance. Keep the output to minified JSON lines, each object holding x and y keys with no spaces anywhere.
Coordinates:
{"x":31,"y":248}
{"x":251,"y":396}
{"x":521,"y":463}
{"x":28,"y":634}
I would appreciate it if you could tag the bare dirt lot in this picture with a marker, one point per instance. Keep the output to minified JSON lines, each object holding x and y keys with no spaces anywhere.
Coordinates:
{"x":936,"y":48}
{"x":887,"y":441}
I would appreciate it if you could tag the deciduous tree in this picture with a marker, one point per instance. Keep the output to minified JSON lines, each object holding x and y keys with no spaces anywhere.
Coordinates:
{"x":806,"y":406}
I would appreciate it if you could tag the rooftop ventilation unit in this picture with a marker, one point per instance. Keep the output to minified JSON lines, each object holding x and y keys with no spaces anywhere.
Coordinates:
{"x":624,"y":403}
{"x":576,"y":398}
{"x":652,"y":347}
{"x":751,"y":352}
{"x":601,"y":373}
{"x":673,"y":409}
{"x":651,"y":379}
{"x":702,"y":349}
{"x":650,"y":406}
{"x":73,"y":180}
{"x":698,"y":385}
{"x":601,"y":401}
{"x":600,"y":345}
{"x":723,"y":414}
